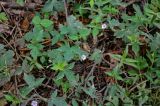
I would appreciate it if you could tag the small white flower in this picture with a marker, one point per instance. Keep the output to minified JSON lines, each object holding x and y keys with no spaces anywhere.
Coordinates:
{"x":83,"y":57}
{"x":104,"y":26}
{"x":34,"y":103}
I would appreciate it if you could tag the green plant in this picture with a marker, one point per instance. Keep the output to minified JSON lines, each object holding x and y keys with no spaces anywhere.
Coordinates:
{"x":3,"y":17}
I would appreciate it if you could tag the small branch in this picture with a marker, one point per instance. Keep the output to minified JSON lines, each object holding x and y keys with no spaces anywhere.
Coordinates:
{"x":14,"y":5}
{"x":65,"y":7}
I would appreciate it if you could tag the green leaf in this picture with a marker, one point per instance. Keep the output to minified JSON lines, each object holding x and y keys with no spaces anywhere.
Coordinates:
{"x":91,"y":2}
{"x":57,"y":101}
{"x":3,"y":17}
{"x":71,"y":77}
{"x":36,"y":20}
{"x":63,"y":29}
{"x":12,"y":98}
{"x":84,"y":33}
{"x":20,"y":2}
{"x":95,"y":31}
{"x":74,"y":102}
{"x":59,"y":66}
{"x":25,"y":91}
{"x":38,"y":82}
{"x":53,"y":5}
{"x":1,"y":47}
{"x":48,"y":7}
{"x":96,"y":56}
{"x":29,"y":79}
{"x":74,"y":37}
{"x":46,"y":23}
{"x":60,"y":75}
{"x":90,"y":91}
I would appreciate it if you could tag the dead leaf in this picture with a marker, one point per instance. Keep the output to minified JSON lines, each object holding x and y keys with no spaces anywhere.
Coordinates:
{"x":3,"y":102}
{"x":25,"y":24}
{"x":86,"y":47}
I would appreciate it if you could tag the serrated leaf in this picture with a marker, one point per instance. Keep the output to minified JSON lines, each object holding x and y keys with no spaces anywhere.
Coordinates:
{"x":84,"y":33}
{"x":96,"y":56}
{"x":38,"y":82}
{"x":29,"y":79}
{"x":71,"y":77}
{"x":59,"y":66}
{"x":25,"y":91}
{"x":57,"y":101}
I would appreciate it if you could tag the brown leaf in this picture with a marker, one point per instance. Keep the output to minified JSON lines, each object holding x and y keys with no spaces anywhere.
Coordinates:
{"x":86,"y":47}
{"x":25,"y":24}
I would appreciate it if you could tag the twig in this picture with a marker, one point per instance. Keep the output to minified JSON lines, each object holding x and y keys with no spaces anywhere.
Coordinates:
{"x":66,"y":11}
{"x":14,"y":5}
{"x":137,"y":85}
{"x":92,"y":70}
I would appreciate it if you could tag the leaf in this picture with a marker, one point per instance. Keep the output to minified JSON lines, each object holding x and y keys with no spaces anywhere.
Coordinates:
{"x":74,"y":102}
{"x":12,"y":98}
{"x":53,"y":5}
{"x":35,"y":50}
{"x":96,"y":56}
{"x":74,"y":25}
{"x":63,"y":29}
{"x":48,"y":7}
{"x":57,"y":101}
{"x":91,"y":2}
{"x":95,"y":31}
{"x":25,"y":91}
{"x":38,"y":82}
{"x":20,"y":2}
{"x":59,"y":66}
{"x":3,"y":17}
{"x":36,"y":20}
{"x":29,"y":79}
{"x":71,"y":77}
{"x":6,"y":58}
{"x":1,"y":47}
{"x":90,"y":91}
{"x":60,"y":75}
{"x":84,"y":33}
{"x":46,"y":23}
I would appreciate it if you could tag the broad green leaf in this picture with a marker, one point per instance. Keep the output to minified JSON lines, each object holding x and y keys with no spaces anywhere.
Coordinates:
{"x":36,"y":20}
{"x":84,"y":33}
{"x":64,"y":29}
{"x":46,"y":23}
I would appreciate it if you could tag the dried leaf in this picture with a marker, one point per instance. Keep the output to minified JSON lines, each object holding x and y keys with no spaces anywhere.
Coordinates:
{"x":25,"y":24}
